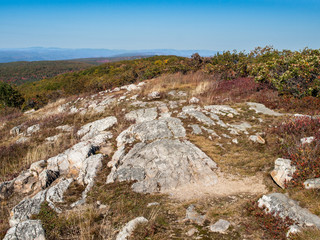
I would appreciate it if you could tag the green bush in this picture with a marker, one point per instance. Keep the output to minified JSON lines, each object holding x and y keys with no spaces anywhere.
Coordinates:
{"x":292,"y":73}
{"x":9,"y":96}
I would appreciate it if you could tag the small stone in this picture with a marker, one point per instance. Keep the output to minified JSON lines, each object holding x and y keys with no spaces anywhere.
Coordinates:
{"x":235,"y":141}
{"x":172,"y":93}
{"x":22,"y":140}
{"x":283,"y":171}
{"x":29,"y":111}
{"x":313,"y":183}
{"x":15,"y":131}
{"x":194,"y":100}
{"x":181,"y":94}
{"x":194,"y":216}
{"x":293,"y":229}
{"x":153,"y":204}
{"x":33,"y":129}
{"x":25,"y":182}
{"x":257,"y":139}
{"x":53,"y":138}
{"x":65,"y":128}
{"x":154,"y":95}
{"x":307,"y":140}
{"x":140,"y":84}
{"x":230,"y":115}
{"x":221,"y":226}
{"x":225,"y":135}
{"x":128,"y":229}
{"x":191,"y":232}
{"x":102,"y":206}
{"x":196,"y":129}
{"x":173,"y":104}
{"x":134,"y":97}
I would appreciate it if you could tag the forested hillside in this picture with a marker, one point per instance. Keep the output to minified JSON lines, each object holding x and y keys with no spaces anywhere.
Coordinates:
{"x":294,"y":74}
{"x":24,"y":72}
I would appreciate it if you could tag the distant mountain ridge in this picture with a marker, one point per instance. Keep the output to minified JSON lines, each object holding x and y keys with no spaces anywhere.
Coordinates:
{"x":42,"y":54}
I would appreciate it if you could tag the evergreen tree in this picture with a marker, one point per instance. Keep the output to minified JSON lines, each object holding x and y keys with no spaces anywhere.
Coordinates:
{"x":9,"y":96}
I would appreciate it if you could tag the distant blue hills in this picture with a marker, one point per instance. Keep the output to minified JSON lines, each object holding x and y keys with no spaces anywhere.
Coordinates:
{"x":41,"y":54}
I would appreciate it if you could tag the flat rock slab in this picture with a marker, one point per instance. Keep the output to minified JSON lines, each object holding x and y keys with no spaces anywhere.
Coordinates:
{"x":142,"y":115}
{"x":260,"y":108}
{"x":220,"y":226}
{"x":278,"y":203}
{"x":94,"y":128}
{"x":152,"y":130}
{"x":221,"y":109}
{"x":198,"y":115}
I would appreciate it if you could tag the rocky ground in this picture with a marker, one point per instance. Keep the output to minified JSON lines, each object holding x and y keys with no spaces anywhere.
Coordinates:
{"x":144,"y":162}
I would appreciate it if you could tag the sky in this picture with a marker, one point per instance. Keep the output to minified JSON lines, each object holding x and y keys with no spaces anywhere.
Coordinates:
{"x":161,"y":24}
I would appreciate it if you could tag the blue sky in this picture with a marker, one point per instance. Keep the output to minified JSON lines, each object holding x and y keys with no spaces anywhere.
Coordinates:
{"x":177,"y":24}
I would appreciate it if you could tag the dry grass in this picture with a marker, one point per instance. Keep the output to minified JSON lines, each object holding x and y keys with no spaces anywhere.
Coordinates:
{"x":306,"y":234}
{"x":84,"y":222}
{"x":4,"y":215}
{"x":309,"y":198}
{"x":17,"y":157}
{"x":195,"y":82}
{"x":245,"y":159}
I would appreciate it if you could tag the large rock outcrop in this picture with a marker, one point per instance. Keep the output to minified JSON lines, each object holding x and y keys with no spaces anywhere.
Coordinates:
{"x":27,"y":230}
{"x":47,"y":177}
{"x":161,"y":160}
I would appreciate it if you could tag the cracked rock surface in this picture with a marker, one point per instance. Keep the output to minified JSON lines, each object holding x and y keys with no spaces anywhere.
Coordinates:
{"x":161,"y":160}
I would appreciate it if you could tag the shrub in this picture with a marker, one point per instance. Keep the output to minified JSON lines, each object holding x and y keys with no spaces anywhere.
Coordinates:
{"x":305,"y":157}
{"x":9,"y":96}
{"x":272,"y":225}
{"x":294,"y":73}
